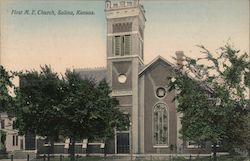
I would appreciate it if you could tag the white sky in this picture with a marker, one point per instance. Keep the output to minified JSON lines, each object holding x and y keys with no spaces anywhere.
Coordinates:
{"x":80,"y":41}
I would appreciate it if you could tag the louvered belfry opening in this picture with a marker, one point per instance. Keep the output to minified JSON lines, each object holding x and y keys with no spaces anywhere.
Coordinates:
{"x":122,"y":45}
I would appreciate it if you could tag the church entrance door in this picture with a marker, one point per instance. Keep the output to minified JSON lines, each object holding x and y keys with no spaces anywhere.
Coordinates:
{"x":122,"y":142}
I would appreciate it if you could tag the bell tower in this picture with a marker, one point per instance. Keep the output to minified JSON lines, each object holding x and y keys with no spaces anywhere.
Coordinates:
{"x":125,"y":55}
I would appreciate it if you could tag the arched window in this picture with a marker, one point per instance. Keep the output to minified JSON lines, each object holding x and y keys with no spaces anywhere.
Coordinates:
{"x":160,"y":125}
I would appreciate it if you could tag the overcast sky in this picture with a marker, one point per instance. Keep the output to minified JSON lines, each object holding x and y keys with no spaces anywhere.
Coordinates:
{"x":28,"y":41}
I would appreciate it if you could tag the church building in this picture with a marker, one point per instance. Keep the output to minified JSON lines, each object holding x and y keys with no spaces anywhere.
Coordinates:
{"x":142,"y":89}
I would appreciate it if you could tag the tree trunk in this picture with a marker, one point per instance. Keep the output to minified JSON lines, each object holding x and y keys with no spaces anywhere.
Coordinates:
{"x":105,"y":148}
{"x":214,"y":152}
{"x":51,"y":149}
{"x":72,"y":149}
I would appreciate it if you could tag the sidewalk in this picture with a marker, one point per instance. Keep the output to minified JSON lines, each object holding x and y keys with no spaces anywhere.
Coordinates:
{"x":14,"y":159}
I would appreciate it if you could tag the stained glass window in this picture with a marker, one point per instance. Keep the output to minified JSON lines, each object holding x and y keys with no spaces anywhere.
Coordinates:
{"x":160,"y":124}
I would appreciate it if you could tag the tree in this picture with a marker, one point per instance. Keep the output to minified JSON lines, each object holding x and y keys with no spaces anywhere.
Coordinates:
{"x":6,"y":100}
{"x":88,"y":110}
{"x":240,"y":134}
{"x":73,"y":107}
{"x":212,"y":95}
{"x":37,"y":107}
{"x":245,"y":134}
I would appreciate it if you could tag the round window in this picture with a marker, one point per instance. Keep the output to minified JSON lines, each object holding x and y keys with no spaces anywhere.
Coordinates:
{"x":160,"y":92}
{"x":122,"y":78}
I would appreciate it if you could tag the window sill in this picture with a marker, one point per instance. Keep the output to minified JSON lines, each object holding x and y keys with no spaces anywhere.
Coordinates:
{"x":160,"y":146}
{"x":46,"y":144}
{"x":192,"y":147}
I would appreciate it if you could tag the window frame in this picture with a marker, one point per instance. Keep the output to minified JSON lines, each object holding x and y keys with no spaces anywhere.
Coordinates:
{"x":15,"y":140}
{"x":3,"y":124}
{"x":124,"y":49}
{"x":166,"y":110}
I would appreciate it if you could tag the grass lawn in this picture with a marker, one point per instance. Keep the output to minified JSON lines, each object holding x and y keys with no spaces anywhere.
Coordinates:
{"x":68,"y":159}
{"x":222,"y":158}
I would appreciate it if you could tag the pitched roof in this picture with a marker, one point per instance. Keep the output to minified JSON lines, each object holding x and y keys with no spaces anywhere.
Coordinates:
{"x":98,"y":74}
{"x":158,"y":58}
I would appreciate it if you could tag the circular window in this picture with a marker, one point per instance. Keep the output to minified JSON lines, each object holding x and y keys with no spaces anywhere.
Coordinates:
{"x":160,"y":92}
{"x":122,"y":78}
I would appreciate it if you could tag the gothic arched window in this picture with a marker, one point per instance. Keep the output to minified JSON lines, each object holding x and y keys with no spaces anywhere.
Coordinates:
{"x":160,"y":125}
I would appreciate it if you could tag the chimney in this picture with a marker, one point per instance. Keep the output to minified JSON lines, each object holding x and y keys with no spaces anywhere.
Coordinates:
{"x":179,"y":58}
